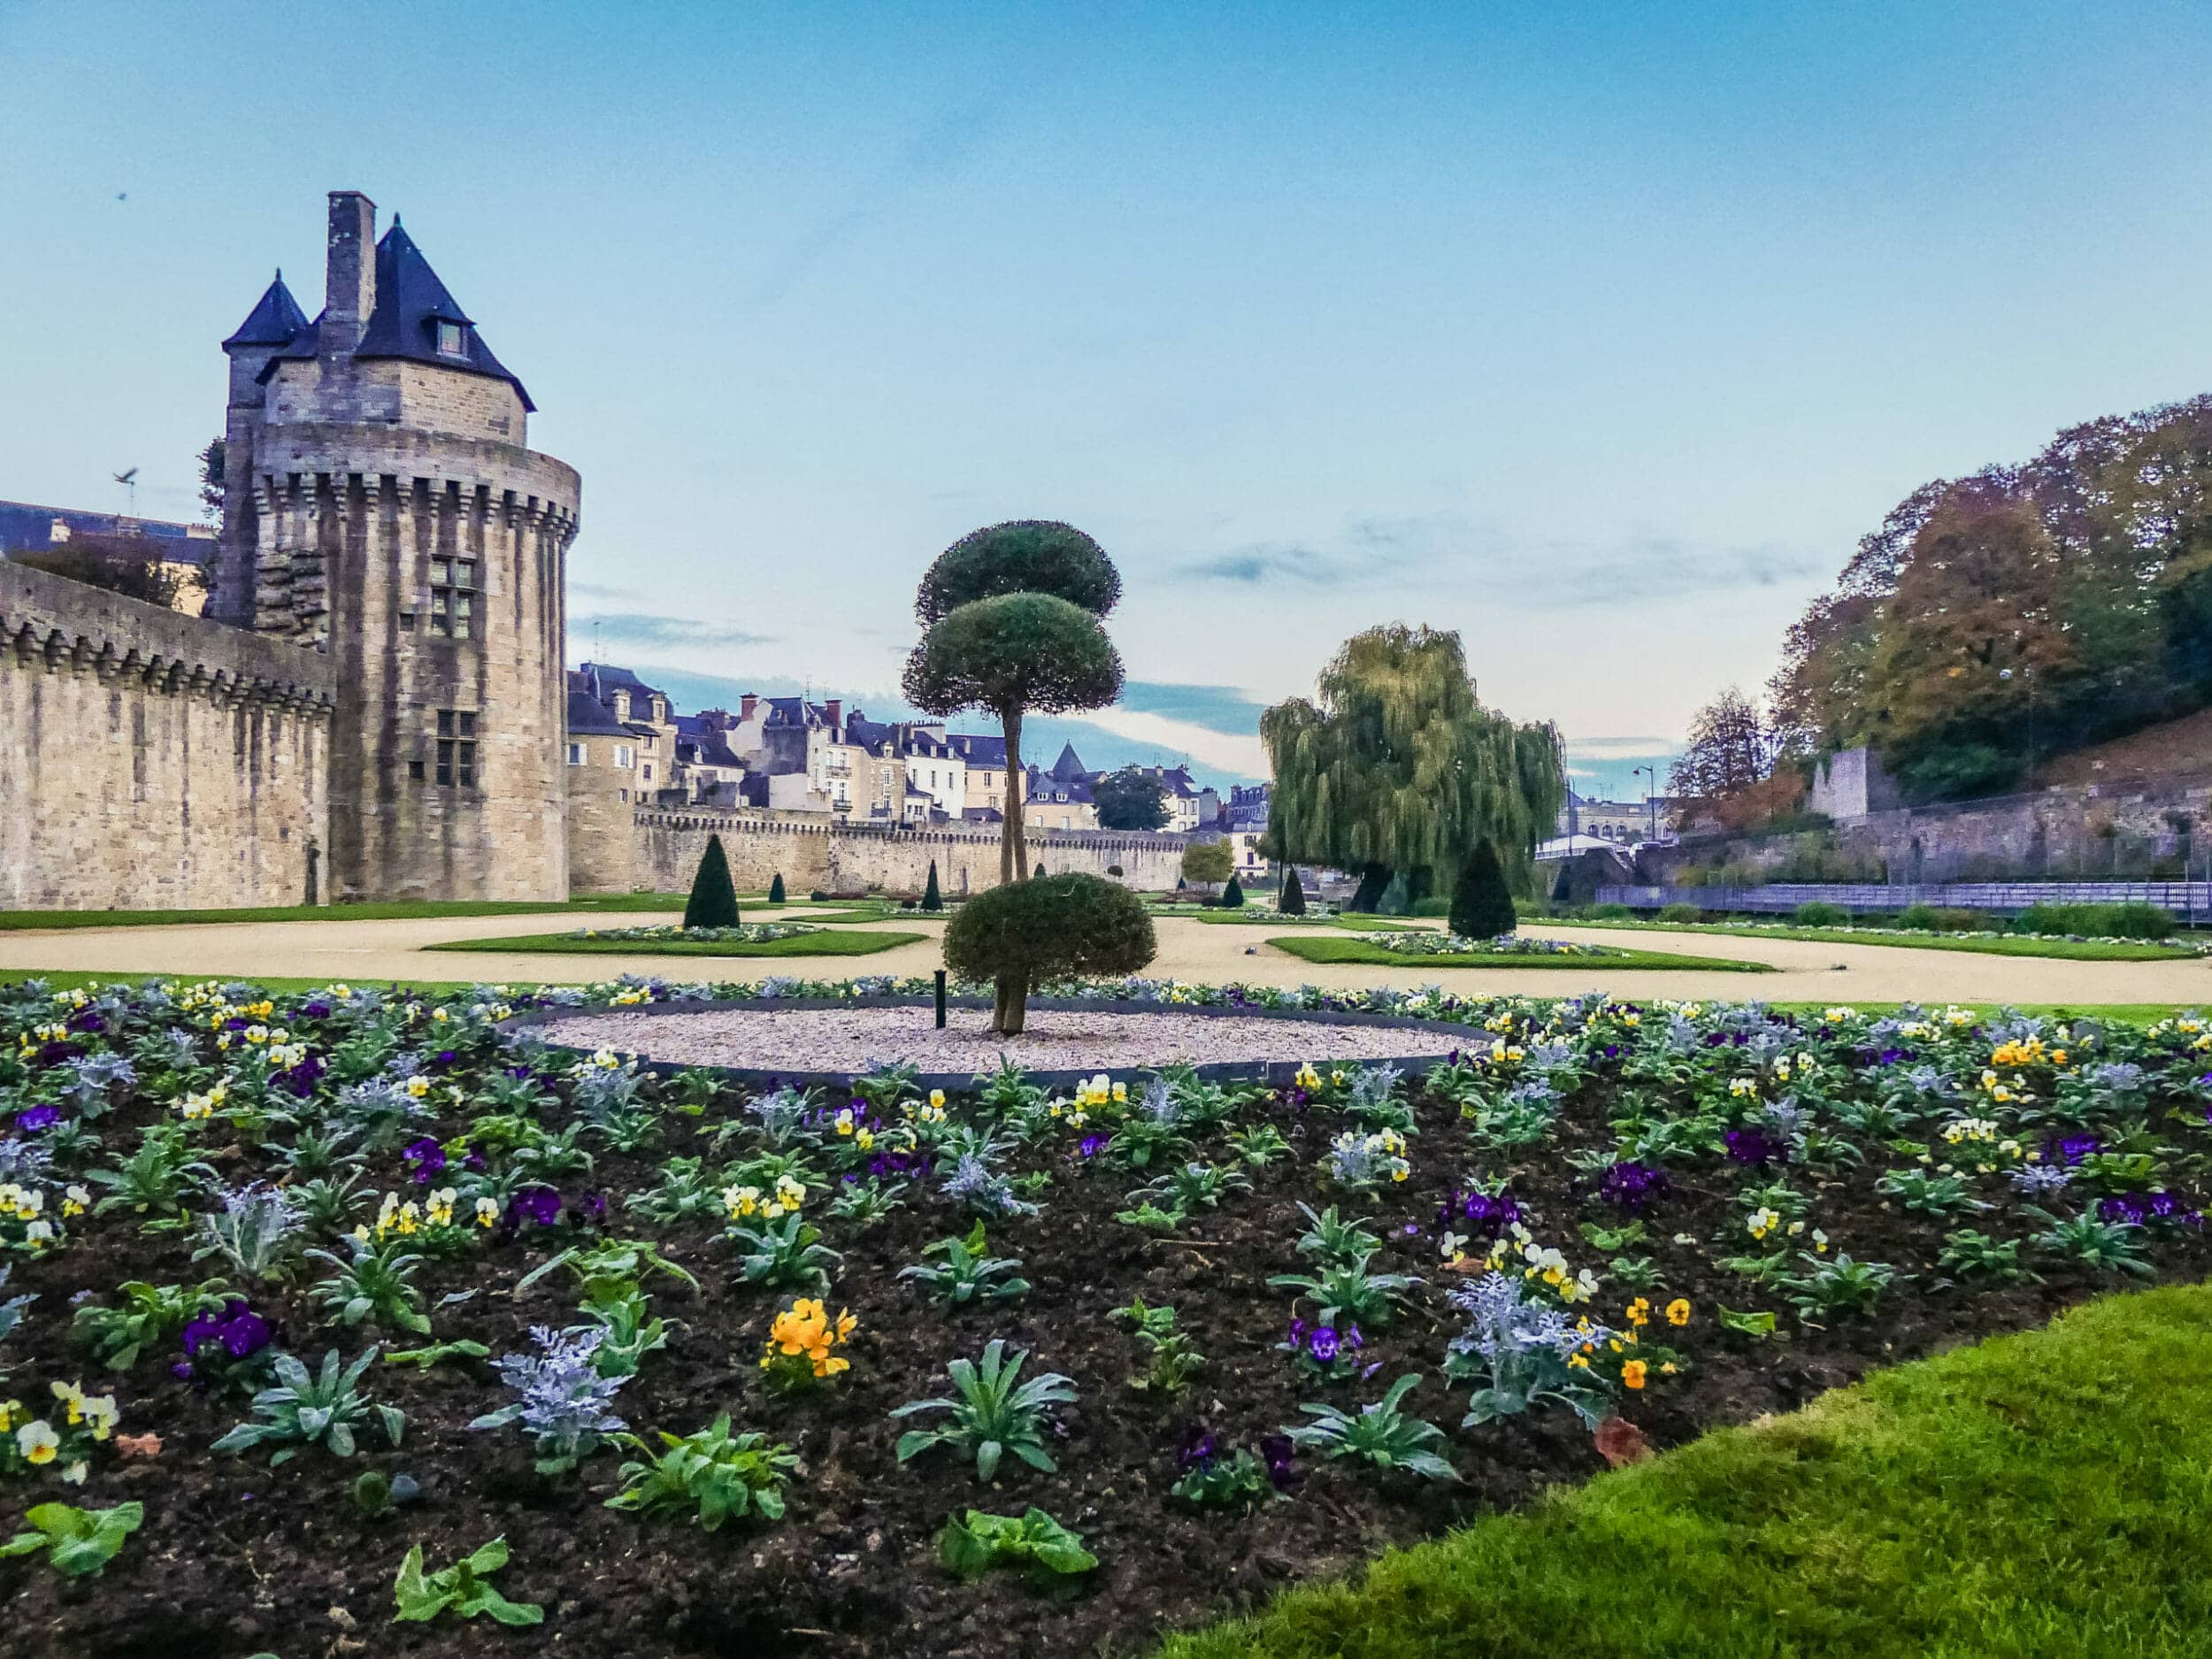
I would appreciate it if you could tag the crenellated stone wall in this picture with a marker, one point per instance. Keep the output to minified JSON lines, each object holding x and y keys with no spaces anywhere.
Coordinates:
{"x":813,"y":852}
{"x":150,"y":759}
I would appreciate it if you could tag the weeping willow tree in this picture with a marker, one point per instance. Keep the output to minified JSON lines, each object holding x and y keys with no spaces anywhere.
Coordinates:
{"x":1396,"y":771}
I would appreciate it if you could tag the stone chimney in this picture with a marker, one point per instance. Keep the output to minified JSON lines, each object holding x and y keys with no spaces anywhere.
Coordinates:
{"x":350,"y":286}
{"x":746,"y":704}
{"x":834,"y":708}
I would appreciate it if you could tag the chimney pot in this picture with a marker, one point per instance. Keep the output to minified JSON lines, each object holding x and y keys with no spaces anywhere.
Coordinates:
{"x":835,"y":708}
{"x":746,"y":704}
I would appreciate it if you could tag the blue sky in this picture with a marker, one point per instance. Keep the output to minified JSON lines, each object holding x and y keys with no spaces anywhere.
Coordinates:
{"x":1599,"y":332}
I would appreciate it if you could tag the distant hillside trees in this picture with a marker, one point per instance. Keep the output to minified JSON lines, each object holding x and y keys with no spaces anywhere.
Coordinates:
{"x":2022,"y":609}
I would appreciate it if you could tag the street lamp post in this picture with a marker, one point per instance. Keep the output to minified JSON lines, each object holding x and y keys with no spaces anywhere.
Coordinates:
{"x":1651,"y":798}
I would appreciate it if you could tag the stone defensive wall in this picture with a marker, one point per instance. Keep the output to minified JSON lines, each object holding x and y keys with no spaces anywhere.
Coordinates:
{"x":150,"y":759}
{"x":815,"y":853}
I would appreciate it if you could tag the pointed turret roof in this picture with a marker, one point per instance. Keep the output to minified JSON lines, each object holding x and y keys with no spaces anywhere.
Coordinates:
{"x":276,"y":320}
{"x":410,"y":302}
{"x":1069,"y":766}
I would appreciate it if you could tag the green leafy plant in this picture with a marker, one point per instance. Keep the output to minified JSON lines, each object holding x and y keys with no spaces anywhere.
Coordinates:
{"x":784,"y":1254}
{"x":152,"y":1181}
{"x":965,"y":1273}
{"x":686,"y":1192}
{"x":1334,"y":1241}
{"x":1348,"y":1291}
{"x":376,"y":1495}
{"x":323,"y":1410}
{"x":1238,"y":1481}
{"x":148,"y":1317}
{"x":711,"y":1476}
{"x":1173,"y":1358}
{"x":603,"y":1268}
{"x":1927,"y":1194}
{"x":378,"y":1284}
{"x":2104,"y":1246}
{"x":1259,"y":1146}
{"x":1189,"y":1186}
{"x":79,"y":1543}
{"x":993,"y":1412}
{"x":437,"y":1354}
{"x":1382,"y":1434}
{"x":460,"y":1588}
{"x":867,"y":1200}
{"x":1032,"y":1542}
{"x":1838,"y":1286}
{"x":1968,"y":1255}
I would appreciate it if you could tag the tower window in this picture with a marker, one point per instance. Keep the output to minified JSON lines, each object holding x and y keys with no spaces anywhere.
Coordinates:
{"x":452,"y":340}
{"x":576,"y":755}
{"x":452,"y":597}
{"x":457,"y":748}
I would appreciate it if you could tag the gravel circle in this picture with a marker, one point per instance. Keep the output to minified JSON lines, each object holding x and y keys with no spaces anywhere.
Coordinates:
{"x":855,"y":1040}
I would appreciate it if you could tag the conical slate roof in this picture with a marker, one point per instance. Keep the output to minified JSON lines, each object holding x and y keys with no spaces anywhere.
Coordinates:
{"x":276,"y":320}
{"x":410,"y":302}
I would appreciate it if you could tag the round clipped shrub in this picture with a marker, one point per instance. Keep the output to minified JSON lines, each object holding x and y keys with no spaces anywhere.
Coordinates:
{"x":1679,"y":913}
{"x":775,"y":889}
{"x":1021,"y":934}
{"x":1026,"y":555}
{"x":1610,"y":913}
{"x":1482,"y":904}
{"x":1233,"y":895}
{"x":1820,"y":913}
{"x":713,"y":900}
{"x":1921,"y":917}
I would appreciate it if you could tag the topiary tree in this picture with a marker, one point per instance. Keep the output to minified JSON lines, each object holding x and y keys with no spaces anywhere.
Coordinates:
{"x":1021,"y":934}
{"x":1292,"y":901}
{"x":932,"y":899}
{"x":1233,"y":895}
{"x":1208,"y":861}
{"x":1482,"y":903}
{"x":1013,"y":619}
{"x":713,"y":900}
{"x":775,"y":889}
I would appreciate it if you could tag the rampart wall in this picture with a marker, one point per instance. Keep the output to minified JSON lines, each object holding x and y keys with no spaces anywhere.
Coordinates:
{"x":150,"y":759}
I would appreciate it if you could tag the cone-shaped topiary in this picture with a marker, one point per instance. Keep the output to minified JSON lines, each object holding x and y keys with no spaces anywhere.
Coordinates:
{"x":1233,"y":895}
{"x":1293,"y":901}
{"x":713,"y":901}
{"x":775,"y":889}
{"x":932,"y":899}
{"x":1482,"y":904}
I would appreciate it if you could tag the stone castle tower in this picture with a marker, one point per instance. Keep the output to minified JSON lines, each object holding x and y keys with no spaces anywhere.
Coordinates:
{"x":380,"y":504}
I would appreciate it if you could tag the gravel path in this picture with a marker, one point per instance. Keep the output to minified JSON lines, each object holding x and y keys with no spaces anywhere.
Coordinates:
{"x":854,"y":1039}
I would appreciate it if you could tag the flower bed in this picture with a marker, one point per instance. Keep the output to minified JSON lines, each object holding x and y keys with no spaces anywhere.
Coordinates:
{"x":1422,"y":942}
{"x":744,"y":933}
{"x":998,"y":1370}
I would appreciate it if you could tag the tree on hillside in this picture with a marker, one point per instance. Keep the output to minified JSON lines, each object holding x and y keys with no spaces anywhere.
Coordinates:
{"x":1012,"y":612}
{"x":2037,"y":607}
{"x":1130,"y":799}
{"x":1397,"y":769}
{"x":1729,"y":750}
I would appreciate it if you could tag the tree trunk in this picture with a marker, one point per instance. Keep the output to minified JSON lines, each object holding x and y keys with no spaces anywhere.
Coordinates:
{"x":1013,"y":849}
{"x":1009,"y":1005}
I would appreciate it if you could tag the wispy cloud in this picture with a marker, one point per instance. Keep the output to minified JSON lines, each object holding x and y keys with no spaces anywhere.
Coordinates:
{"x":1382,"y":550}
{"x":942,"y":147}
{"x":1216,"y":708}
{"x":632,"y":629}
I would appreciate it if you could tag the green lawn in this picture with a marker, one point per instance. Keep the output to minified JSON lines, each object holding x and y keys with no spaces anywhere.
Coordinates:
{"x":2046,"y":1496}
{"x":411,"y":910}
{"x":1984,"y":944}
{"x":832,"y":942}
{"x":1338,"y":948}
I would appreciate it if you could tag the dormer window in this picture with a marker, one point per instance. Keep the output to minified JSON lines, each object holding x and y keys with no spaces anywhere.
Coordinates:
{"x":453,"y":339}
